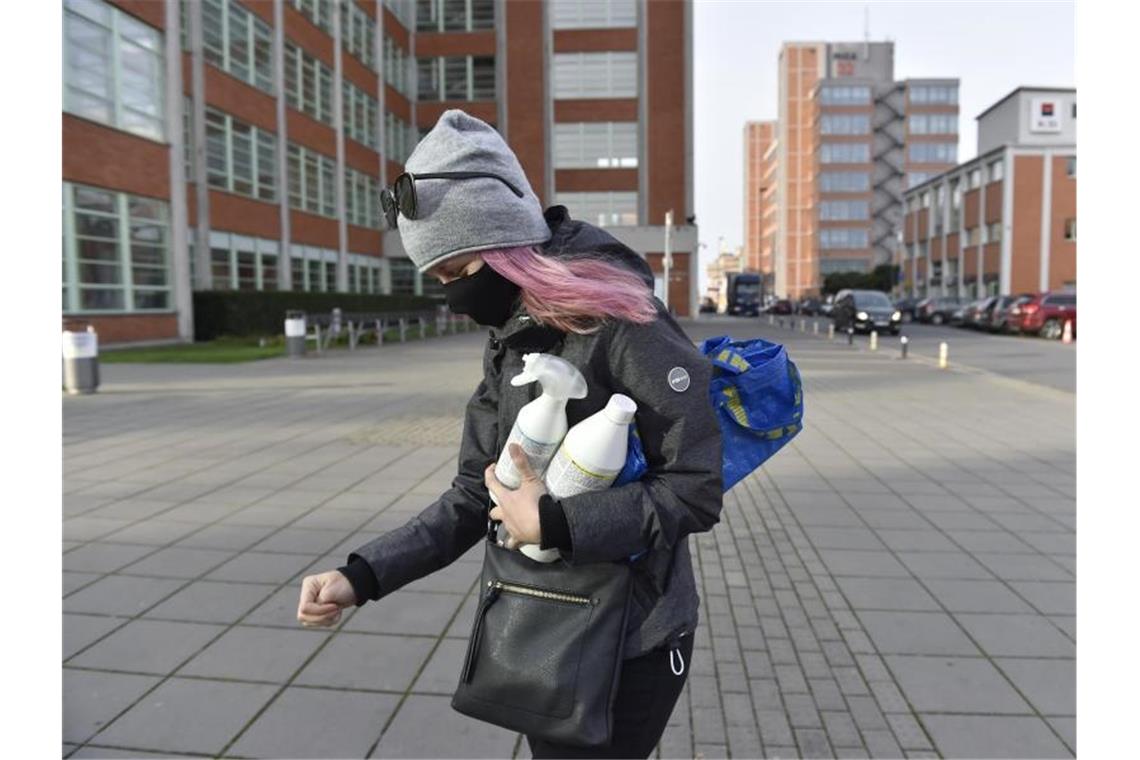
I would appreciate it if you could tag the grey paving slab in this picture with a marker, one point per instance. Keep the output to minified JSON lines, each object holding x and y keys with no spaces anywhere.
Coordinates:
{"x":280,"y":609}
{"x":365,"y":661}
{"x":86,"y":528}
{"x":1050,"y":685}
{"x":955,"y":684}
{"x":441,"y":673}
{"x":1067,"y":728}
{"x":261,"y":567}
{"x":1049,"y":597}
{"x":236,"y":537}
{"x":120,"y":595}
{"x":1017,"y":635}
{"x":91,"y":699}
{"x":101,"y":557}
{"x":1023,"y":567}
{"x":989,"y":736}
{"x":868,"y":564}
{"x":212,"y":602}
{"x":932,"y":633}
{"x":349,"y":724}
{"x":886,"y":594}
{"x":92,"y":751}
{"x":957,"y":565}
{"x":159,"y":721}
{"x":178,"y":562}
{"x":451,"y":735}
{"x":408,"y":612}
{"x":976,"y":596}
{"x":255,"y":654}
{"x":147,"y":646}
{"x":81,"y":630}
{"x":73,"y":581}
{"x":153,"y":532}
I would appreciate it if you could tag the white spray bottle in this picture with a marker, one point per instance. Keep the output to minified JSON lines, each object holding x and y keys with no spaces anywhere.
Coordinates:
{"x":540,"y":425}
{"x":589,"y":459}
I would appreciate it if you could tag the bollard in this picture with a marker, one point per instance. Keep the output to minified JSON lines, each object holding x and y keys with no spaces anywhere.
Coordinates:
{"x":874,"y":340}
{"x":80,"y":361}
{"x":943,"y":355}
{"x":351,"y":336}
{"x":850,"y":336}
{"x":815,"y":327}
{"x":1067,"y":333}
{"x":295,"y":330}
{"x":803,"y":325}
{"x":903,"y":341}
{"x":403,"y":329}
{"x":379,"y":333}
{"x":831,"y":331}
{"x":423,"y":327}
{"x":320,"y":346}
{"x":771,"y":320}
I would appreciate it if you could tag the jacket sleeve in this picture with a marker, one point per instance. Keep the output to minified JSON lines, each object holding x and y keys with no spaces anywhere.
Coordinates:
{"x":681,"y":491}
{"x":457,"y":520}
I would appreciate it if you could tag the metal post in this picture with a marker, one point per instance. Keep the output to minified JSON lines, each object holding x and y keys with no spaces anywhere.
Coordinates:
{"x":803,"y":325}
{"x":831,"y":332}
{"x":403,"y":329}
{"x":943,"y":355}
{"x":379,"y":332}
{"x":874,"y":340}
{"x":815,"y":327}
{"x":667,"y":259}
{"x":317,"y":328}
{"x":850,"y":336}
{"x":351,"y":336}
{"x":903,"y":341}
{"x":423,"y":327}
{"x":771,"y":319}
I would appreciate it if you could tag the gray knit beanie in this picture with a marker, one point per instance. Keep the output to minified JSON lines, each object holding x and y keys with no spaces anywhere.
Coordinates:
{"x":460,"y":216}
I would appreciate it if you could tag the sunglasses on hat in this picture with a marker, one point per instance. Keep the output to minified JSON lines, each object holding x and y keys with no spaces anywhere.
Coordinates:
{"x":402,"y":196}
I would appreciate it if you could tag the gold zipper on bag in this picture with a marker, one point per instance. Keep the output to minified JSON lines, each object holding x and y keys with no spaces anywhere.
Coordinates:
{"x":540,"y":594}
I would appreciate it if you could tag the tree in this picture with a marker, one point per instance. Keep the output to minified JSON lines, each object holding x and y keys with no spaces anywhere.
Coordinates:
{"x":883,"y":278}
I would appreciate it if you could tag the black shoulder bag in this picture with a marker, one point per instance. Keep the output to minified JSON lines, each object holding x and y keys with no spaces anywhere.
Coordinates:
{"x":545,"y":651}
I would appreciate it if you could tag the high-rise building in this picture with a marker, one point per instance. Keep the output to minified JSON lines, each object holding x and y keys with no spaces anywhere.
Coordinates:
{"x":848,"y":139}
{"x":1004,"y":222}
{"x":243,"y":144}
{"x":759,"y":195}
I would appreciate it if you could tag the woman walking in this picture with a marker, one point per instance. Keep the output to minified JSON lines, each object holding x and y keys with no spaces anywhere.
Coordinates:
{"x":547,"y":283}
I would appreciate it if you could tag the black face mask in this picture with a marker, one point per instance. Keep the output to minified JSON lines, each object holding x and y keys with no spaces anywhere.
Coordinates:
{"x":486,"y":296}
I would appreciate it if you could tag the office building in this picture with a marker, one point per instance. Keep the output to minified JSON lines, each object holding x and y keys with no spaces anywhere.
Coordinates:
{"x":848,"y":139}
{"x":759,"y":197}
{"x":1004,"y":222}
{"x":243,"y":144}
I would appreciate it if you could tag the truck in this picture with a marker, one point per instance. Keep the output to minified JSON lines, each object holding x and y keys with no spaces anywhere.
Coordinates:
{"x":742,"y":293}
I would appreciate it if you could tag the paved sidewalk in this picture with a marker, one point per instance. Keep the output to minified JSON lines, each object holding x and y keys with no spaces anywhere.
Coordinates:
{"x":899,"y":581}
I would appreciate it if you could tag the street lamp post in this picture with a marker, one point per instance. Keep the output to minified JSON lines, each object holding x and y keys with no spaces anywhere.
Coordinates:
{"x":667,"y":259}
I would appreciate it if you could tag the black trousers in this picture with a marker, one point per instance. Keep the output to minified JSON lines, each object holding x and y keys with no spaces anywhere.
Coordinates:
{"x":647,"y":692}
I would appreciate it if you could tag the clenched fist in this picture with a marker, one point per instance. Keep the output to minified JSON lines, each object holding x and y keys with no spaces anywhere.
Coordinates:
{"x":323,"y":597}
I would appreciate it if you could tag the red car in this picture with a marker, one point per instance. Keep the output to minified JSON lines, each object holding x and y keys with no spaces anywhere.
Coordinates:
{"x":1045,"y":314}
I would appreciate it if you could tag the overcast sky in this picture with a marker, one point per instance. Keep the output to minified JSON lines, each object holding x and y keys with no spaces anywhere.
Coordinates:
{"x":992,"y":47}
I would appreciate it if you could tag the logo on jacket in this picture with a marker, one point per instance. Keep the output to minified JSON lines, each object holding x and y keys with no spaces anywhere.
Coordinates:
{"x":679,"y":379}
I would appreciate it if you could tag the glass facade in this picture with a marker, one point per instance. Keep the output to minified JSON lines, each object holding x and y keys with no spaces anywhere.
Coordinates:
{"x":308,"y":84}
{"x":932,"y":124}
{"x":595,"y":145}
{"x":845,"y":95}
{"x":592,"y":14}
{"x":464,"y":77}
{"x":454,"y":15}
{"x":604,"y":209}
{"x":941,"y":94}
{"x":844,"y":182}
{"x":933,"y":153}
{"x":595,"y":75}
{"x":845,"y":153}
{"x":844,"y":210}
{"x":843,"y":237}
{"x":238,"y":42}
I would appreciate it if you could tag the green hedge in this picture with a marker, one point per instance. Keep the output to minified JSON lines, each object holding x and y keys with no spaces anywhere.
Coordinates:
{"x":238,"y":312}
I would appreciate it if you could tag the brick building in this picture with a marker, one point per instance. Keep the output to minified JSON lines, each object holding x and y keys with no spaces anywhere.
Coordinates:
{"x":1004,"y":222}
{"x":242,"y":144}
{"x":759,"y":197}
{"x":848,"y":139}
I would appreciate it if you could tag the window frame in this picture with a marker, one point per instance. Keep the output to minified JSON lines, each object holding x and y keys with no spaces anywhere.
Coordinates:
{"x":254,"y":26}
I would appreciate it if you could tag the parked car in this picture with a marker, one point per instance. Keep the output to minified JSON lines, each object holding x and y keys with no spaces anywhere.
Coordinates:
{"x":826,"y":307}
{"x":1045,"y":314}
{"x":938,"y":310}
{"x":782,"y":306}
{"x":865,"y":310}
{"x":958,"y":315}
{"x":707,"y":306}
{"x":999,"y":317}
{"x":809,"y":307}
{"x":978,"y":311}
{"x":906,"y":306}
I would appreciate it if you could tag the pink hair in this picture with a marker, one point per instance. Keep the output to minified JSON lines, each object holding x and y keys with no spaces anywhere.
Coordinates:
{"x":574,"y":294}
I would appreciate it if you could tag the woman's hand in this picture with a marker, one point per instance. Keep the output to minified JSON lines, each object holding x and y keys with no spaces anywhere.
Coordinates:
{"x":518,"y":509}
{"x":323,"y":597}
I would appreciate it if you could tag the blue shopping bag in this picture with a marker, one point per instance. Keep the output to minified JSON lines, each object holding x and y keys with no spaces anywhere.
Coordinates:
{"x":759,"y":402}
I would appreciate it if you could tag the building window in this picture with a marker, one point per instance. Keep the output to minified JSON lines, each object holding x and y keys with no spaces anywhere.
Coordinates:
{"x":463,"y":77}
{"x":844,"y":210}
{"x":397,"y":67}
{"x":975,"y":178}
{"x":592,"y":14}
{"x":399,"y":138}
{"x":844,"y":95}
{"x":934,"y":94}
{"x":238,"y":42}
{"x":403,"y":276}
{"x":361,"y":116}
{"x":1071,"y":229}
{"x":115,"y":251}
{"x":1071,"y":166}
{"x":317,"y":11}
{"x":845,"y":124}
{"x":595,"y":145}
{"x":311,"y":181}
{"x":996,"y":171}
{"x":843,"y":237}
{"x":357,"y":33}
{"x":404,"y":10}
{"x":914,"y":179}
{"x":994,"y":232}
{"x":835,"y":266}
{"x":604,"y":209}
{"x":308,"y":84}
{"x":113,"y":70}
{"x":454,"y":15}
{"x":932,"y":124}
{"x":240,"y":158}
{"x":845,"y":153}
{"x":844,"y":182}
{"x":933,"y":153}
{"x":925,"y":199}
{"x":973,"y":236}
{"x":361,"y":199}
{"x":595,"y":75}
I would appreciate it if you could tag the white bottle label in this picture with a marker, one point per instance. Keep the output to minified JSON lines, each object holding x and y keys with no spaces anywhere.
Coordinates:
{"x":538,"y":454}
{"x":566,"y":477}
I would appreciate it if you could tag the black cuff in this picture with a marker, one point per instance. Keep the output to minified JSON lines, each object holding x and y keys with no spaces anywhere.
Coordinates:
{"x":553,"y":524}
{"x":363,"y":580}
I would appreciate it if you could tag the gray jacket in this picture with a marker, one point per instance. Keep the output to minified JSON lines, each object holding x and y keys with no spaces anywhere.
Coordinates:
{"x":679,"y":495}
